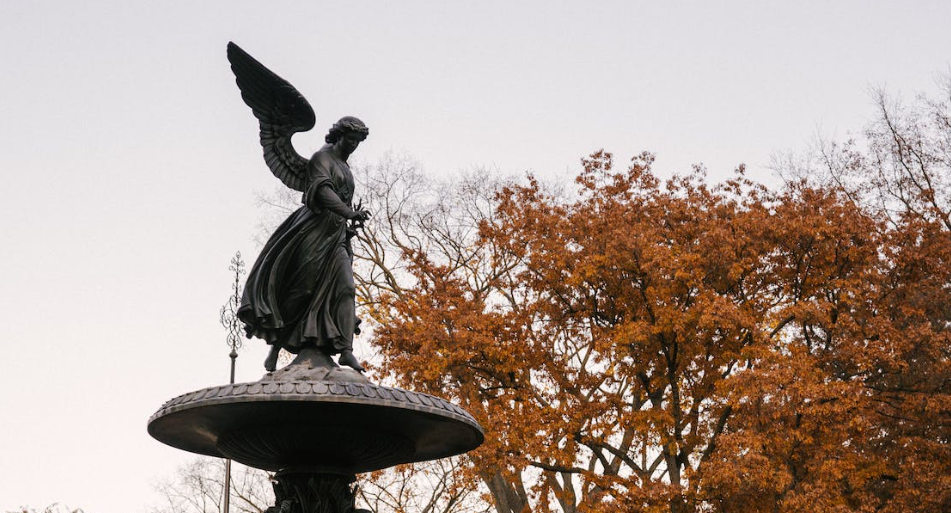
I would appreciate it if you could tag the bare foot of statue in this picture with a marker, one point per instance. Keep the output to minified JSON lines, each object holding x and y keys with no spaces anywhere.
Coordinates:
{"x":347,"y":358}
{"x":270,"y":363}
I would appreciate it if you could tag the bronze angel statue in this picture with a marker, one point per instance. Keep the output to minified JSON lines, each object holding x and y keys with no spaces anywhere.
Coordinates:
{"x":300,"y":291}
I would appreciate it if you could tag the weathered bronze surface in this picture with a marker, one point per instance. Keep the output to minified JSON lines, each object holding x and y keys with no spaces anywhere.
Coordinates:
{"x":313,"y":493}
{"x":300,"y":291}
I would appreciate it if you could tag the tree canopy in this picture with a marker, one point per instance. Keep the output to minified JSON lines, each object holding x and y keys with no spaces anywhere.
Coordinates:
{"x":670,"y":345}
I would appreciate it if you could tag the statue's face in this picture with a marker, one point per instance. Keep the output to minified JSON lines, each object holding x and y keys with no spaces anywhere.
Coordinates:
{"x":351,"y":140}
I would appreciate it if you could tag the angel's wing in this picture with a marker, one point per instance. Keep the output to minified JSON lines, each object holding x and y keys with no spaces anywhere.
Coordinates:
{"x":281,"y":110}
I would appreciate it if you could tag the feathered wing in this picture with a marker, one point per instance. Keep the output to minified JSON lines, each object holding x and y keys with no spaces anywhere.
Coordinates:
{"x":282,"y":112}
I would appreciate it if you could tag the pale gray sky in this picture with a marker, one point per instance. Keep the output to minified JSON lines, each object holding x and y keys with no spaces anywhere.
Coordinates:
{"x":130,"y":163}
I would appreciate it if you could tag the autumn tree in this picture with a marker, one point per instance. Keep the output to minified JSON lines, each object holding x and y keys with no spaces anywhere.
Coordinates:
{"x":589,"y":336}
{"x":895,"y":331}
{"x":674,"y":346}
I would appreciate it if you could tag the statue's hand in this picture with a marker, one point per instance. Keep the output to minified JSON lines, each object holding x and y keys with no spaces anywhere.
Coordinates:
{"x":357,"y":218}
{"x":360,"y":215}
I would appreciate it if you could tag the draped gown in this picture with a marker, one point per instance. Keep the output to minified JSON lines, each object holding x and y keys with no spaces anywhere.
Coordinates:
{"x":294,"y":291}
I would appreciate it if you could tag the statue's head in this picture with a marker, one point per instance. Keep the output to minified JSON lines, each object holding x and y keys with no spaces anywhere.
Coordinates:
{"x":346,"y":125}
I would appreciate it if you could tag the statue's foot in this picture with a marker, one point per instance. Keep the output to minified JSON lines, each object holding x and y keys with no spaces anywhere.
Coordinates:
{"x":270,"y":363}
{"x":347,"y":358}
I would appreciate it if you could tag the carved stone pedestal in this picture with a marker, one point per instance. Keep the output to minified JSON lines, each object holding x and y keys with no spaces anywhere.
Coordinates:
{"x":317,"y":425}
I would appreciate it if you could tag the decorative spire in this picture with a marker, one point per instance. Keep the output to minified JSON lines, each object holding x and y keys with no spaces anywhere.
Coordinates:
{"x":229,"y":312}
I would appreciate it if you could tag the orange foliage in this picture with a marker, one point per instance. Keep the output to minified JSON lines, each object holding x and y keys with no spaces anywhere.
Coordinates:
{"x":673,"y":346}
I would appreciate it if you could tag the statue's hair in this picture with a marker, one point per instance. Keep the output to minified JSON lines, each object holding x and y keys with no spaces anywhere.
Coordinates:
{"x":346,"y":125}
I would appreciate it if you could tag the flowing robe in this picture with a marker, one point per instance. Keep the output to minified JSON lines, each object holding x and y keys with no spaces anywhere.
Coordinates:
{"x":294,"y":292}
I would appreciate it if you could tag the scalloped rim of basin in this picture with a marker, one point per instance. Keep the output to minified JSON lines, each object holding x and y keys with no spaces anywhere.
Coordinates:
{"x":339,"y":414}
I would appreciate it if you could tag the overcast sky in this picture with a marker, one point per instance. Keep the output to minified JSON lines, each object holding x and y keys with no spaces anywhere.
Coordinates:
{"x":130,"y":164}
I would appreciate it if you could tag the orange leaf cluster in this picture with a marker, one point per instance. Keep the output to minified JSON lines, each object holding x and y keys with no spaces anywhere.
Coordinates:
{"x":671,"y":346}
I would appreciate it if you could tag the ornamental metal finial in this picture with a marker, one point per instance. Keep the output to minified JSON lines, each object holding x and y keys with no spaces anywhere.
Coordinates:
{"x":229,"y":312}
